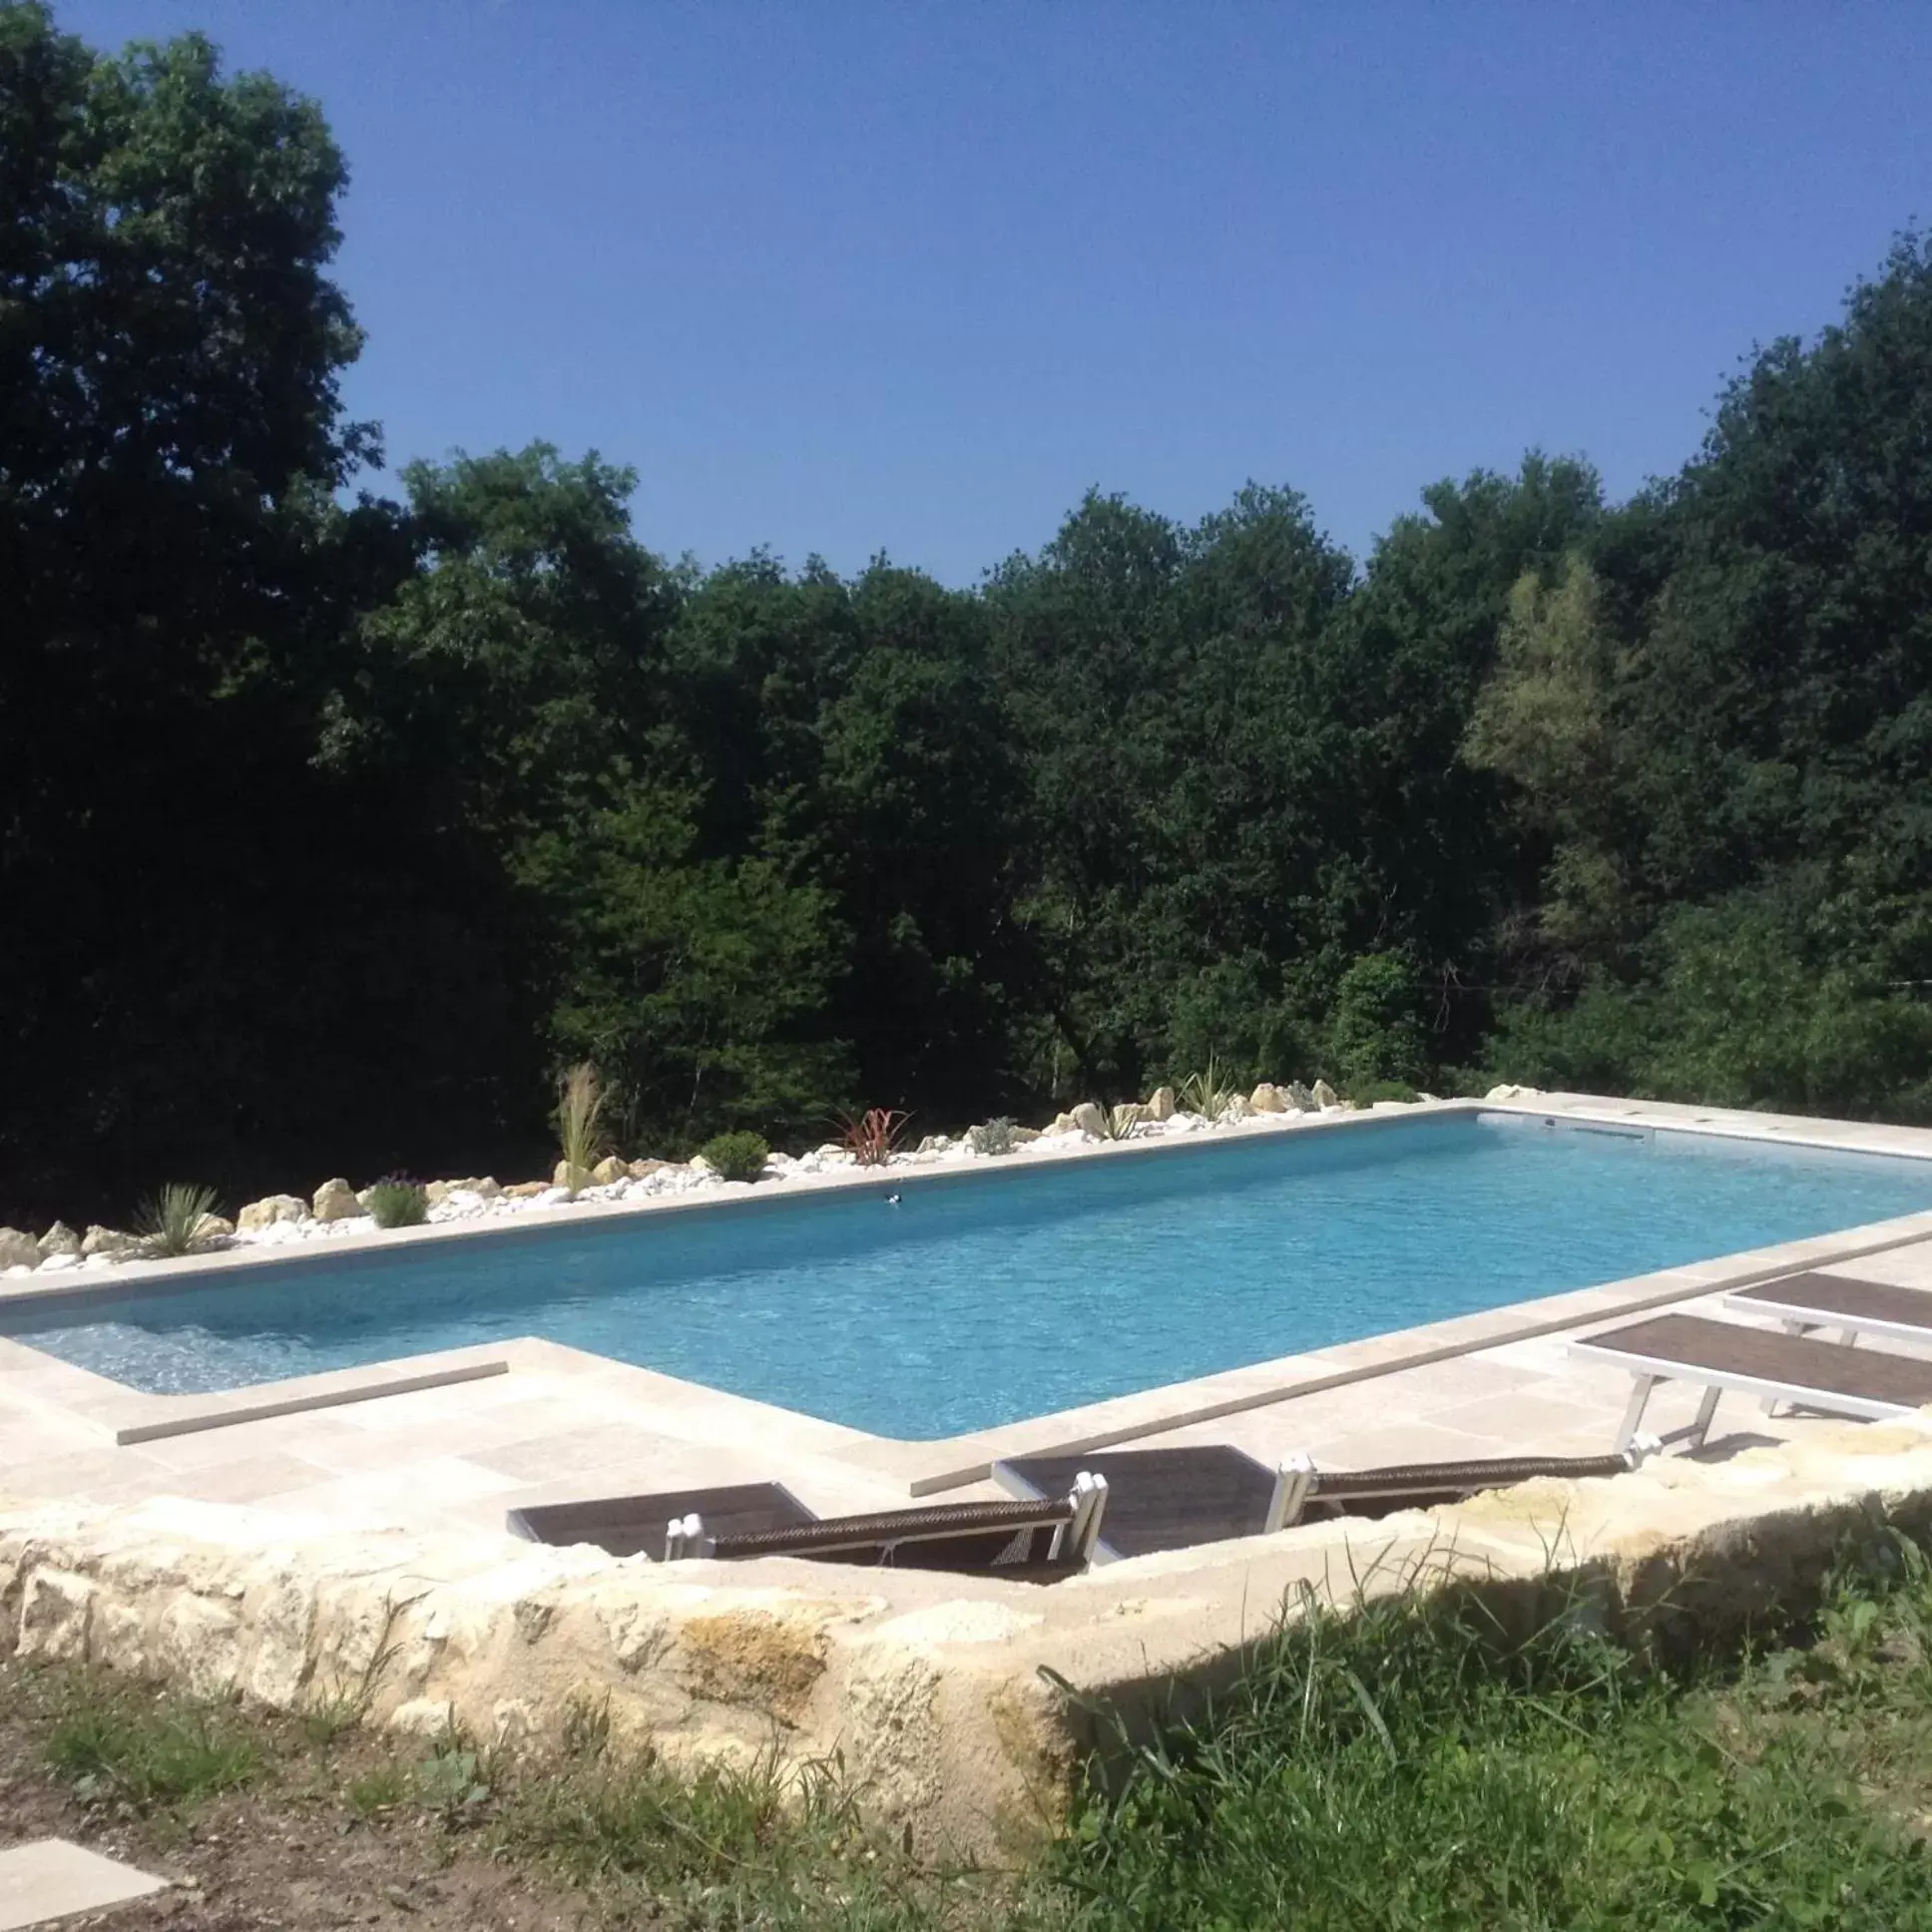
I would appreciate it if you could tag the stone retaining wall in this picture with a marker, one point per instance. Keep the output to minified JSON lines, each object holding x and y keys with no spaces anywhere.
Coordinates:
{"x":935,"y":1690}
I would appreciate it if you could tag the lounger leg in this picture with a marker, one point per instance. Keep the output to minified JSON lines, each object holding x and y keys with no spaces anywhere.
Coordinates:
{"x":1634,"y":1415}
{"x":1849,"y":1336}
{"x":1791,"y":1328}
{"x":1706,"y":1409}
{"x":1290,"y":1496}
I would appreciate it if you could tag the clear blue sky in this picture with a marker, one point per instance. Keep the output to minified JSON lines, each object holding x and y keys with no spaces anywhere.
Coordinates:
{"x":911,"y":277}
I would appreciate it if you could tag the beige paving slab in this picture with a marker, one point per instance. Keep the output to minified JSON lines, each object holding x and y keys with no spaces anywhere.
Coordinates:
{"x":53,"y":1879}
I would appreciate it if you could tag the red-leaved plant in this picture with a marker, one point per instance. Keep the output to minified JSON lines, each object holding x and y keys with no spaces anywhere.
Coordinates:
{"x":872,"y":1137}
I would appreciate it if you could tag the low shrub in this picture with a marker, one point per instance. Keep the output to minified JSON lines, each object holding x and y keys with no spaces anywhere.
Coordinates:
{"x":397,"y":1201}
{"x":997,"y":1136}
{"x":170,"y":1222}
{"x":1365,"y":1092}
{"x":737,"y":1157}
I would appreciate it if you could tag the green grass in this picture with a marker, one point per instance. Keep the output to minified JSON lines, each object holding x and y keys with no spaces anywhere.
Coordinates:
{"x":109,"y":1742}
{"x":1414,"y":1766}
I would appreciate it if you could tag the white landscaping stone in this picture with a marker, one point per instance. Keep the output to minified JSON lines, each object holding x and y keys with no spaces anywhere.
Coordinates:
{"x":59,"y":1239}
{"x":18,"y":1249}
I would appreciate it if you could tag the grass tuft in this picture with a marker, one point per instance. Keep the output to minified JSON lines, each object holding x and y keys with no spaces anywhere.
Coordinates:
{"x":170,"y":1222}
{"x":106,"y":1745}
{"x":580,"y":1117}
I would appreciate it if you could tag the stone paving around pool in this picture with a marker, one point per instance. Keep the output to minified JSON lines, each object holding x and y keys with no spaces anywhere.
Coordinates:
{"x":416,"y":1483}
{"x":563,"y":1424}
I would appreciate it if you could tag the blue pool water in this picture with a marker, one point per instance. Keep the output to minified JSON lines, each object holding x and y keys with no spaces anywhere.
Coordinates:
{"x":1005,"y":1293}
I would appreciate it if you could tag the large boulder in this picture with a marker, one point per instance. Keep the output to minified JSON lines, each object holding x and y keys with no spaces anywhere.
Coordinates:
{"x":213,"y":1228}
{"x":527,"y":1191}
{"x":59,"y":1239}
{"x":1268,"y":1098}
{"x":1325,"y":1096}
{"x":18,"y":1249}
{"x":336,"y":1200}
{"x":610,"y":1171}
{"x":571,"y":1175}
{"x":1088,"y":1119}
{"x":644,"y":1170}
{"x":1159,"y":1105}
{"x":108,"y":1240}
{"x":269,"y":1210}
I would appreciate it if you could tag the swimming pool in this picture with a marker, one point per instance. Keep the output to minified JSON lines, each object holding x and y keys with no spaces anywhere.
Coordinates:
{"x":986,"y":1296}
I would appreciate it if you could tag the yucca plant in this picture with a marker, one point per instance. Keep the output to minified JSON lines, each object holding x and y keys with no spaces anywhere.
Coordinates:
{"x":170,"y":1222}
{"x":1209,"y":1093}
{"x":579,"y":1115}
{"x":872,"y":1137}
{"x":397,"y":1201}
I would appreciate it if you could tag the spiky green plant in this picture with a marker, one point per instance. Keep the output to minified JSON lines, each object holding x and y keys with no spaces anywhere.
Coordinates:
{"x":1209,"y":1093}
{"x":170,"y":1222}
{"x":579,"y":1115}
{"x":1119,"y":1123}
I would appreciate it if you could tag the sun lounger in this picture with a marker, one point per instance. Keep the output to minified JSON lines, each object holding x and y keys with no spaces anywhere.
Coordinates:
{"x":1722,"y":1356}
{"x":1802,"y":1302}
{"x":1176,"y":1498}
{"x":629,"y":1526}
{"x":1039,"y":1538}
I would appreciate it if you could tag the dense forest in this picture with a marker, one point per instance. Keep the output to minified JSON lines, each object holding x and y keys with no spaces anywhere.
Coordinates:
{"x":332,"y":826}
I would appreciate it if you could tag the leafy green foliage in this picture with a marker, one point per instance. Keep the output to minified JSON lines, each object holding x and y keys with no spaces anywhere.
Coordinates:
{"x":1376,"y":1032}
{"x":737,"y":1157}
{"x":397,"y":1202}
{"x":168,"y":1221}
{"x":1630,"y":796}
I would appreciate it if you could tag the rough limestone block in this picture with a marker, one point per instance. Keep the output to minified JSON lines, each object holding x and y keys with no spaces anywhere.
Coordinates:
{"x":269,"y":1210}
{"x":336,"y":1200}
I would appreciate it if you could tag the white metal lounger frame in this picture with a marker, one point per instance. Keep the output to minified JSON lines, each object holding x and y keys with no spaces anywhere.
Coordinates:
{"x":1297,"y":1478}
{"x":685,"y":1536}
{"x":1649,"y":1370}
{"x":1795,"y":1319}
